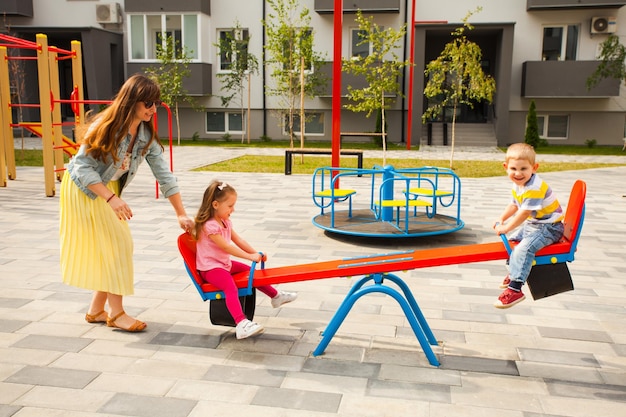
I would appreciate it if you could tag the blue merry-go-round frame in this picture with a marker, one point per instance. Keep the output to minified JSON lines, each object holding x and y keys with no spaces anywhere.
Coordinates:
{"x":400,"y":203}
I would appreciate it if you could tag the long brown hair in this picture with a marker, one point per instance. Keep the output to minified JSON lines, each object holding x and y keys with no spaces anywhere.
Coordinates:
{"x":216,"y":191}
{"x":113,"y":123}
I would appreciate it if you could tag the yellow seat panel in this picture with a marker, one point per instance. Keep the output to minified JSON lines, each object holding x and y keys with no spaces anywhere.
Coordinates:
{"x":428,"y":191}
{"x":339,"y":192}
{"x":403,"y":203}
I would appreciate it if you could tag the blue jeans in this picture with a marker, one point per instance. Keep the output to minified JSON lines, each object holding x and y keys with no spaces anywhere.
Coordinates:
{"x":531,"y":237}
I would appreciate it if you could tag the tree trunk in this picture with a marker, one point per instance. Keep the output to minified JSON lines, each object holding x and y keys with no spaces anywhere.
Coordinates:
{"x":453,"y":133}
{"x":177,"y":122}
{"x":248,"y":114}
{"x":383,"y":134}
{"x":302,"y":121}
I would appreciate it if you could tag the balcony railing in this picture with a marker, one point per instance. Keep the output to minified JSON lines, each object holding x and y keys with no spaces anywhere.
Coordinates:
{"x":197,"y":84}
{"x":573,"y":4}
{"x":566,"y":79}
{"x":369,"y":6}
{"x":16,"y":8}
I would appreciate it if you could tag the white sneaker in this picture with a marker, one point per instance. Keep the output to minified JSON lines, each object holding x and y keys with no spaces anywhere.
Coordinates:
{"x":283,"y":297}
{"x":246,"y":328}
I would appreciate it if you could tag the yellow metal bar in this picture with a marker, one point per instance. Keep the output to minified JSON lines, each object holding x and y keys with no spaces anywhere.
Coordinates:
{"x":57,"y":130}
{"x":7,"y":145}
{"x":43,"y":72}
{"x":4,"y":107}
{"x":77,"y":78}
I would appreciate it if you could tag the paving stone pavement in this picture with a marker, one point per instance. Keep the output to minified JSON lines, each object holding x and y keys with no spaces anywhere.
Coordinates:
{"x":560,"y":356}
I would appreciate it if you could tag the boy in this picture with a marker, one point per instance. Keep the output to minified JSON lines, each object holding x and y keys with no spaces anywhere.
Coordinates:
{"x":535,"y":208}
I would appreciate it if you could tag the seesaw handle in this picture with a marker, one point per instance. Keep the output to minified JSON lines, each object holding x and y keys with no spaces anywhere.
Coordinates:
{"x":505,"y":240}
{"x":252,"y":269}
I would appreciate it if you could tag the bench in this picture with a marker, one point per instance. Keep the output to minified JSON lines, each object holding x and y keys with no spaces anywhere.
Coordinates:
{"x":360,"y":134}
{"x":308,"y":151}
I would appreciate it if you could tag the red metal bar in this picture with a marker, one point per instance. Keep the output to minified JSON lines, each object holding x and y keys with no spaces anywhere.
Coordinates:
{"x":24,"y":105}
{"x":336,"y":101}
{"x":20,"y":58}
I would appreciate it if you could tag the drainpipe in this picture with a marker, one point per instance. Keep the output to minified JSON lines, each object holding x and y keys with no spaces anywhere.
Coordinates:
{"x":404,"y":49}
{"x":263,"y":73}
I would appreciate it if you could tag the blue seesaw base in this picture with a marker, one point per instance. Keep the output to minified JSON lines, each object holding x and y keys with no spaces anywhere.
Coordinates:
{"x":406,"y":300}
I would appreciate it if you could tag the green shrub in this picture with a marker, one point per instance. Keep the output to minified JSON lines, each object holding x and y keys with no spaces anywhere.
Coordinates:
{"x":591,"y":143}
{"x":531,"y":136}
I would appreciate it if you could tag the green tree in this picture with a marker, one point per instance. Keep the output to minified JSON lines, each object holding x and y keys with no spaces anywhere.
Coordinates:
{"x":612,"y":62}
{"x":531,"y":136}
{"x":292,"y":60}
{"x":381,"y":69}
{"x":242,"y":64}
{"x":456,"y":77}
{"x":173,"y":69}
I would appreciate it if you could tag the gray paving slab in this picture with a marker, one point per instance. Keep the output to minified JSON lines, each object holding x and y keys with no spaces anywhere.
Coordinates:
{"x":565,"y":355}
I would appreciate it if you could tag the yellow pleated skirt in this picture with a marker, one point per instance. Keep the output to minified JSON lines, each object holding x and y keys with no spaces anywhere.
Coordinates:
{"x":96,"y":246}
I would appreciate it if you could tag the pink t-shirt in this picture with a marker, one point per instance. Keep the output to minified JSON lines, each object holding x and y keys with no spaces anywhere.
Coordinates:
{"x":208,"y":254}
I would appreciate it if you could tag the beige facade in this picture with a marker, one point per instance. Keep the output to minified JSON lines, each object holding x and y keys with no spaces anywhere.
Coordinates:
{"x":535,"y":49}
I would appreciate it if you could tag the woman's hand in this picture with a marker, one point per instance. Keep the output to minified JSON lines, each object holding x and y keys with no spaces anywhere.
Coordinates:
{"x":121,"y":209}
{"x":186,"y":223}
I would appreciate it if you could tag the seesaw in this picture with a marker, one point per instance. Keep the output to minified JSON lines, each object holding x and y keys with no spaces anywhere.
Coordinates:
{"x":377,"y":269}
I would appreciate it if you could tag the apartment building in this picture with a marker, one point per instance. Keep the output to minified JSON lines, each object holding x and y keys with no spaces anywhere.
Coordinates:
{"x":541,"y":50}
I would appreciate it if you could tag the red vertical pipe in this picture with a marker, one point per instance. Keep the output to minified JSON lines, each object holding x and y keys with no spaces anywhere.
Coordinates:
{"x":409,"y":122}
{"x":336,"y":103}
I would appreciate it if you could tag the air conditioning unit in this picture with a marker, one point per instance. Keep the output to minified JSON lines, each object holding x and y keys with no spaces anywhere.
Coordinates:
{"x":603,"y":25}
{"x":108,"y":13}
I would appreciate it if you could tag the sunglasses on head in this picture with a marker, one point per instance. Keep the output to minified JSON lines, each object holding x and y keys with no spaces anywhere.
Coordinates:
{"x":149,"y":104}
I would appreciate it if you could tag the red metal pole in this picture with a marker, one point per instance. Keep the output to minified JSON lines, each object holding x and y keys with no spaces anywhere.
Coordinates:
{"x":409,"y":122}
{"x":336,"y":101}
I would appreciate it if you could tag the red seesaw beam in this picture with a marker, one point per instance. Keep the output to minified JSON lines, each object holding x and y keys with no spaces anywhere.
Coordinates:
{"x":398,"y":261}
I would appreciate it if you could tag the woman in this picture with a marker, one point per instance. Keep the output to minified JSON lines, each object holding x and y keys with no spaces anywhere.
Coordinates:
{"x":96,"y":243}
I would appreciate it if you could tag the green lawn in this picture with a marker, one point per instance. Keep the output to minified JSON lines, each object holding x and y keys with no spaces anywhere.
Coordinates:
{"x":466,"y":169}
{"x":236,"y":143}
{"x":275,"y":164}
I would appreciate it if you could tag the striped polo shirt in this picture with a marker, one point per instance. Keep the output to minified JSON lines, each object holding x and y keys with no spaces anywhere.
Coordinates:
{"x":538,"y":197}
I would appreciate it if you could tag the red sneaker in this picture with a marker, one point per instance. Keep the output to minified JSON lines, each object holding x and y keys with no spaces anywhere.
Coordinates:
{"x":506,"y":282}
{"x":509,"y":298}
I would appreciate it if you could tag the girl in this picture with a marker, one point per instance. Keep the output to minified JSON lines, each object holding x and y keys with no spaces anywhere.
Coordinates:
{"x":217,"y":241}
{"x":96,"y":243}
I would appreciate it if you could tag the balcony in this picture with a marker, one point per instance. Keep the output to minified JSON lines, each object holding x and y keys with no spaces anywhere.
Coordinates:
{"x":573,"y":4}
{"x":564,"y":79}
{"x":355,"y":81}
{"x":165,"y":6}
{"x":17,"y":7}
{"x":366,"y":6}
{"x":197,"y":84}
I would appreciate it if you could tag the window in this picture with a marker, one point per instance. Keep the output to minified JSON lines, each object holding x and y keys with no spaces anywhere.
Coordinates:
{"x":560,"y":43}
{"x":147,"y":31}
{"x":224,"y":122}
{"x":314,"y":123}
{"x":360,"y":46}
{"x":299,"y":44}
{"x":553,"y":126}
{"x":233,"y":45}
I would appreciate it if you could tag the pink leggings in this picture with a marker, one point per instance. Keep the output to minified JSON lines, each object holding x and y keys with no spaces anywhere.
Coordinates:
{"x":223,"y":280}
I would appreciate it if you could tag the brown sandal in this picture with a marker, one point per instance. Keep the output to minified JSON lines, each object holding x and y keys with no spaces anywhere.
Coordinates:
{"x":93,"y":318}
{"x":138,"y":326}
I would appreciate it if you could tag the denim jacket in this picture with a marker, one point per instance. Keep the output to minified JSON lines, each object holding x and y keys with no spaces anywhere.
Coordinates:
{"x":85,"y":170}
